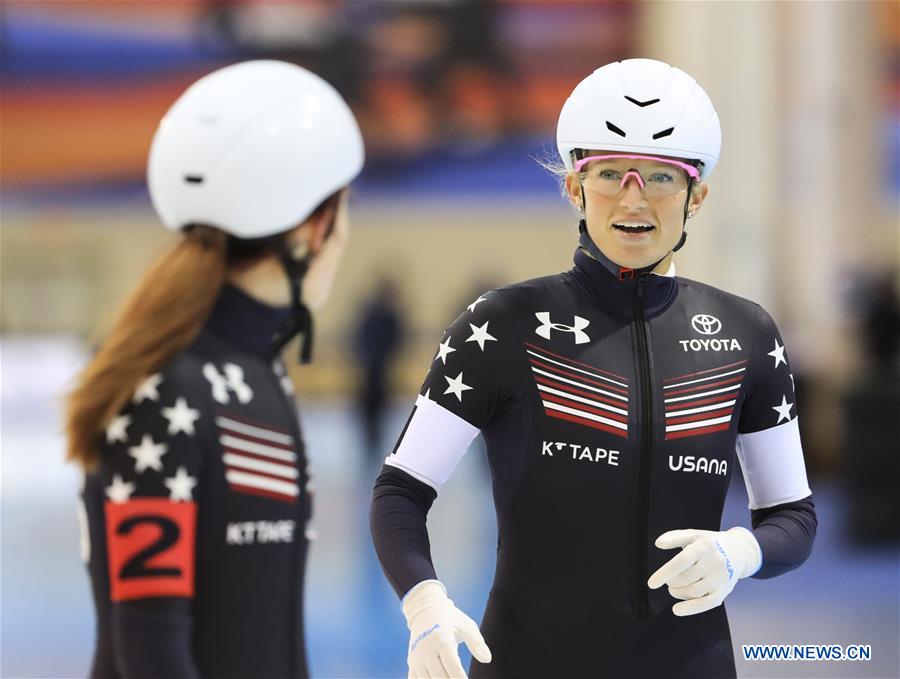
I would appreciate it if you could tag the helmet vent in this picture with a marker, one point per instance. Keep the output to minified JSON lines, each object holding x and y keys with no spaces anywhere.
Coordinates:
{"x":613,"y":128}
{"x":642,"y":104}
{"x":193,"y":179}
{"x":664,"y":133}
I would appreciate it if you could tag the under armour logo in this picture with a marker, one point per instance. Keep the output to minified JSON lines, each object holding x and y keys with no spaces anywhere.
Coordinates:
{"x":232,"y":380}
{"x":546,"y":326}
{"x":706,"y":324}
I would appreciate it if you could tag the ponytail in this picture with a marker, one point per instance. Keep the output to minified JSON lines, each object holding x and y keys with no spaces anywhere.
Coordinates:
{"x":161,"y":317}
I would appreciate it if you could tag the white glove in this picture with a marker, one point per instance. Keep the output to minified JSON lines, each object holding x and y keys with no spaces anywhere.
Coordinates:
{"x":707,"y":568}
{"x":436,"y":627}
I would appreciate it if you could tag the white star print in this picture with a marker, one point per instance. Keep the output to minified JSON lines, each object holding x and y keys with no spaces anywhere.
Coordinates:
{"x":119,"y":491}
{"x":181,"y":417}
{"x":793,"y":386}
{"x":480,"y":335}
{"x":148,"y":389}
{"x":778,"y":354}
{"x":181,"y":486}
{"x":115,"y":431}
{"x":427,"y":393}
{"x":148,"y":454}
{"x":444,"y":348}
{"x":784,"y":410}
{"x":474,"y":304}
{"x":456,"y":386}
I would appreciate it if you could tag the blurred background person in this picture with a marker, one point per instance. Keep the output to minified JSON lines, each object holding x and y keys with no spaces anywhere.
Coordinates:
{"x":454,"y":112}
{"x":196,"y":496}
{"x":872,"y":428}
{"x":378,"y":338}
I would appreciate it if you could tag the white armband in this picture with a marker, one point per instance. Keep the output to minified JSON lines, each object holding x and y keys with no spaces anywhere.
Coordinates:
{"x":772,"y":464}
{"x":434,"y":442}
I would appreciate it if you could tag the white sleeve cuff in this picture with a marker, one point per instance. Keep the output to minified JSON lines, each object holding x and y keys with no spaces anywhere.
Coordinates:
{"x":755,"y":551}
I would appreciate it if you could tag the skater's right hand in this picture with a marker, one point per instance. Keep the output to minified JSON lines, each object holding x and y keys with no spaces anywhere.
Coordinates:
{"x":436,"y":627}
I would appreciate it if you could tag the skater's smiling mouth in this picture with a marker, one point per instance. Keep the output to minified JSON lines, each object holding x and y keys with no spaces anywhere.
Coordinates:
{"x":633,"y":227}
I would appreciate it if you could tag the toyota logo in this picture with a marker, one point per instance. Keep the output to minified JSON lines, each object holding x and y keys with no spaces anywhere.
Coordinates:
{"x":706,"y":324}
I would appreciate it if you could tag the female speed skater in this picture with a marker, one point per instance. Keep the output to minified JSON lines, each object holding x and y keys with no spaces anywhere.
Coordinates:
{"x":614,"y":400}
{"x":197,"y":492}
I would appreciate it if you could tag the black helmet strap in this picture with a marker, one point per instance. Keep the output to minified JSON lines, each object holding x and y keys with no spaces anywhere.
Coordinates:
{"x":300,"y":321}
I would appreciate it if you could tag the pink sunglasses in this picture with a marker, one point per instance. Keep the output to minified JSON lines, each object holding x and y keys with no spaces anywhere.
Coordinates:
{"x":690,"y":169}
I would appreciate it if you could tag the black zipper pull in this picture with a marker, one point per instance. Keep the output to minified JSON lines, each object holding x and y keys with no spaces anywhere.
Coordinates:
{"x":639,"y":292}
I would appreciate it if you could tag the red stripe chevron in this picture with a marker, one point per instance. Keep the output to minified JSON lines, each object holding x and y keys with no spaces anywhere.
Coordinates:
{"x":697,"y":432}
{"x":256,"y":439}
{"x":576,"y":376}
{"x":261,"y":458}
{"x":581,"y":392}
{"x":583,"y":406}
{"x":588,"y":423}
{"x":237,"y":487}
{"x":684,"y":405}
{"x":706,"y":386}
{"x":728,"y":384}
{"x":253,"y":481}
{"x":574,"y":362}
{"x":710,"y":415}
{"x":568,"y":371}
{"x":253,"y":423}
{"x":704,"y":372}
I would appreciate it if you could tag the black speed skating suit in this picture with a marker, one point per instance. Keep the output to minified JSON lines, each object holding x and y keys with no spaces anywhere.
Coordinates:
{"x":197,"y":513}
{"x":612,"y":411}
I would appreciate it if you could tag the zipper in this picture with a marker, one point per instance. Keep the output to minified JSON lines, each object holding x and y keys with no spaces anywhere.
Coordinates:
{"x":645,"y":418}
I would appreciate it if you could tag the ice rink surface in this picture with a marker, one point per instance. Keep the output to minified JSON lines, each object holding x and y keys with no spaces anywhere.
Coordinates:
{"x":842,"y":595}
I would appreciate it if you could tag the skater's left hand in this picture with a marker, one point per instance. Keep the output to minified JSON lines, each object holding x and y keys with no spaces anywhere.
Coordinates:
{"x":707,"y":568}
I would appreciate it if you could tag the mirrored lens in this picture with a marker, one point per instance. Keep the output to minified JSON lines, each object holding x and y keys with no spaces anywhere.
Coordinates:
{"x":658,"y":179}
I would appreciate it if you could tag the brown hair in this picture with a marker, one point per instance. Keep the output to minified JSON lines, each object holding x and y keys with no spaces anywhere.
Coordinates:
{"x":159,"y":318}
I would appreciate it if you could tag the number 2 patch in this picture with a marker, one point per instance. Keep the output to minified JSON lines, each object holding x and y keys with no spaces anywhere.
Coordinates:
{"x":151,"y":548}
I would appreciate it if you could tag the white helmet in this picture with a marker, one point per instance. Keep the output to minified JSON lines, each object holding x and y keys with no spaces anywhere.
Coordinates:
{"x":252,"y":149}
{"x":640,"y":106}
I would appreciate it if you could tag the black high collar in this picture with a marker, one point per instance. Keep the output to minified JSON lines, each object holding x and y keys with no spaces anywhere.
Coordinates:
{"x":245,"y":322}
{"x":618,"y":296}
